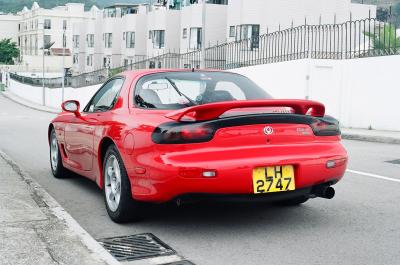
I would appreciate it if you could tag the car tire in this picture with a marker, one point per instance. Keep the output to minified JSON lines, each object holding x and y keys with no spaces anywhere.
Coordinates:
{"x":56,"y":164}
{"x":120,"y":205}
{"x":294,"y":201}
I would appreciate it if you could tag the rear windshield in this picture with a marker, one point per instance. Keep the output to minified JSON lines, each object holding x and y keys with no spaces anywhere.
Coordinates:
{"x":176,"y":90}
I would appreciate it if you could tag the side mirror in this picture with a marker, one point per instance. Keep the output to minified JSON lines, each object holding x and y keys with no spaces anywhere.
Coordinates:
{"x":71,"y":106}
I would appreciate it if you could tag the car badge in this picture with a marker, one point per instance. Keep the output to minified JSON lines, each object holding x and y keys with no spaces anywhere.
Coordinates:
{"x":268,"y":130}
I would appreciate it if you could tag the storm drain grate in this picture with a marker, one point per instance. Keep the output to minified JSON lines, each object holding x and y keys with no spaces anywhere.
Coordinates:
{"x":396,"y":162}
{"x":182,"y":262}
{"x":134,"y":247}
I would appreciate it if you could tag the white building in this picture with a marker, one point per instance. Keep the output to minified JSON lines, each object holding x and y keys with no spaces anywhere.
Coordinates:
{"x":123,"y":34}
{"x":191,"y":25}
{"x":247,"y":18}
{"x":134,"y":35}
{"x":41,"y":27}
{"x":86,"y":45}
{"x":9,"y":26}
{"x":163,"y":30}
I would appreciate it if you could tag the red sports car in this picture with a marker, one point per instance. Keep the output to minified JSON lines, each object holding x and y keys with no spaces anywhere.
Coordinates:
{"x":174,"y":135}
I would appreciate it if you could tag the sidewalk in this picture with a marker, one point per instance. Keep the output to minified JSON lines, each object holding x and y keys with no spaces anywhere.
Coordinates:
{"x":35,"y":229}
{"x":29,"y":104}
{"x":371,"y":135}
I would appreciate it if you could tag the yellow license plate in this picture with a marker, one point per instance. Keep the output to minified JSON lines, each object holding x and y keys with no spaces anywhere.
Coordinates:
{"x":273,"y":179}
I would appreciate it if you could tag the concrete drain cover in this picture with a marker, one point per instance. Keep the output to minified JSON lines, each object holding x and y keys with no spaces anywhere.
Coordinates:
{"x":396,"y":162}
{"x":134,"y":247}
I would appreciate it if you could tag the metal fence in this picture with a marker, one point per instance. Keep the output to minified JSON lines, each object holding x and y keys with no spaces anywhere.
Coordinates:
{"x":352,"y":39}
{"x":37,"y":81}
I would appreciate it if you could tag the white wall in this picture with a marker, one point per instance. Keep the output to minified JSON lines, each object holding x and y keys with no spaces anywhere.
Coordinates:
{"x":53,"y":96}
{"x":359,"y":92}
{"x":52,"y":63}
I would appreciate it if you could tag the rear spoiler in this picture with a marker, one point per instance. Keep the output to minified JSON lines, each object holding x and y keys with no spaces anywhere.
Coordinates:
{"x":214,"y":110}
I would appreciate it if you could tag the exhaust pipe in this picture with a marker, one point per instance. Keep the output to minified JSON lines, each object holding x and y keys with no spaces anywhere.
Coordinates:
{"x":326,"y":192}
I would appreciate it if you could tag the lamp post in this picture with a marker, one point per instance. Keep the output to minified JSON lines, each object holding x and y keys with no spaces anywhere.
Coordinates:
{"x":63,"y":66}
{"x":46,"y":46}
{"x":43,"y":88}
{"x":203,"y":36}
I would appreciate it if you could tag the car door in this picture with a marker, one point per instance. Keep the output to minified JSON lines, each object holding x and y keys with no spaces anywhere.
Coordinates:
{"x":79,"y":134}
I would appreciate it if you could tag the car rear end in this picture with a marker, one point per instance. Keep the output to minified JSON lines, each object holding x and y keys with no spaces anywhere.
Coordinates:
{"x":211,"y":150}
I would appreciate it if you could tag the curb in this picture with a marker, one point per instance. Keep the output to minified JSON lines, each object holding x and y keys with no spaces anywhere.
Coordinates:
{"x":373,"y":139}
{"x":57,"y":210}
{"x":25,"y":103}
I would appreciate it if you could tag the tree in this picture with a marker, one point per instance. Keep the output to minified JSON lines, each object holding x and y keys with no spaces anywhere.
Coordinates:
{"x":8,"y":51}
{"x":382,"y":14}
{"x":384,"y":38}
{"x":396,"y":15}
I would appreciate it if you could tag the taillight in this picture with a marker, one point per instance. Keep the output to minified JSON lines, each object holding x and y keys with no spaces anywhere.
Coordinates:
{"x":326,"y":126}
{"x":183,"y":134}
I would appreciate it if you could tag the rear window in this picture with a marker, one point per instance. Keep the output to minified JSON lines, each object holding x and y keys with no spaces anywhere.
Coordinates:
{"x":176,"y":90}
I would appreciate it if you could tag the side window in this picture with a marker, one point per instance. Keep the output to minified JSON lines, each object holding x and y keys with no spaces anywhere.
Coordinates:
{"x":105,"y":98}
{"x":231,"y":88}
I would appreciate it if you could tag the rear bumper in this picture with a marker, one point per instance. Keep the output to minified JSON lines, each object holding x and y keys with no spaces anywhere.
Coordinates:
{"x":244,"y":198}
{"x":175,"y":174}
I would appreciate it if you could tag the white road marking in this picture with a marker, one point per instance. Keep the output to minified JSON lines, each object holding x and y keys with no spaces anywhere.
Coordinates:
{"x":373,"y":175}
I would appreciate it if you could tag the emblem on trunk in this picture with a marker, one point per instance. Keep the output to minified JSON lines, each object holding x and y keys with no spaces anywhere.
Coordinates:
{"x":268,"y":130}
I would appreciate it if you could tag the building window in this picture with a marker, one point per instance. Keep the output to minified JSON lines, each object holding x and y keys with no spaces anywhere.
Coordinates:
{"x":128,"y":11}
{"x":75,"y":58}
{"x":46,"y":40}
{"x":108,"y":40}
{"x":130,"y":39}
{"x":195,"y":38}
{"x":251,"y":33}
{"x":232,"y":31}
{"x":30,"y":45}
{"x":36,"y":45}
{"x":26,"y":43}
{"x":110,"y":12}
{"x":158,"y":39}
{"x":150,"y":35}
{"x":89,"y":60}
{"x":184,"y":33}
{"x":64,"y":24}
{"x":47,"y":24}
{"x":75,"y":40}
{"x":90,"y":40}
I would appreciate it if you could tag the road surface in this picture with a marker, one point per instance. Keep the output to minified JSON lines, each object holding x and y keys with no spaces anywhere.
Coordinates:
{"x":361,"y":225}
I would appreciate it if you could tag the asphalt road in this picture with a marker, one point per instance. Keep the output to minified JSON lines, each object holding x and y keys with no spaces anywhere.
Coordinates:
{"x":361,"y":225}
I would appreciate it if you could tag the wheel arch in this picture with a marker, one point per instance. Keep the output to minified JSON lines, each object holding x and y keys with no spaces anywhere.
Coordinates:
{"x":105,"y":143}
{"x":50,"y":128}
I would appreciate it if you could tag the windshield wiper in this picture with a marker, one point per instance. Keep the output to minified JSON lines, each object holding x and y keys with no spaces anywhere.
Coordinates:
{"x":179,"y":92}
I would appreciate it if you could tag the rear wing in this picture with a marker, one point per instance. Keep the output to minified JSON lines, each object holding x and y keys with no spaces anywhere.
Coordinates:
{"x":214,"y":110}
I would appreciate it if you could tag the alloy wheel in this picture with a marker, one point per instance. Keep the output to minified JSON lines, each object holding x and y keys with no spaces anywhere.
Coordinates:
{"x":112,"y":183}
